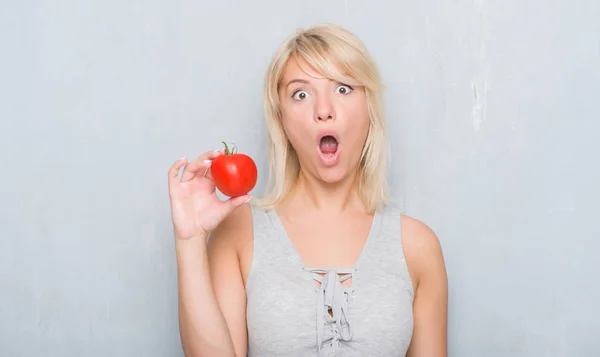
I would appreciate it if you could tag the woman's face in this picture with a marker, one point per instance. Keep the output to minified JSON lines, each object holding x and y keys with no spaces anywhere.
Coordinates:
{"x":326,"y":122}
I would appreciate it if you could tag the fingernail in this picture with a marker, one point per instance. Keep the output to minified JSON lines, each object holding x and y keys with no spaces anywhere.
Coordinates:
{"x":183,"y":158}
{"x":207,"y":161}
{"x":249,"y":198}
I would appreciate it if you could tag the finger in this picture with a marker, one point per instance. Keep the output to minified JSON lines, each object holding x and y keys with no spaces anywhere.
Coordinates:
{"x":200,"y":164}
{"x":208,"y":173}
{"x":174,"y":170}
{"x":193,"y":168}
{"x":232,"y":203}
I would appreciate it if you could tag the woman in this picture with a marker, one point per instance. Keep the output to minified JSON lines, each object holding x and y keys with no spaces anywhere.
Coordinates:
{"x":321,"y":265}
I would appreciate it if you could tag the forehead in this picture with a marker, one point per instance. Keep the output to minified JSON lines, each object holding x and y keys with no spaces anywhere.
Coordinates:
{"x":295,"y":69}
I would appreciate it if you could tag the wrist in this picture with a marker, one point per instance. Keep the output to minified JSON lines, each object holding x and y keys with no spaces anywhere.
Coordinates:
{"x":193,"y":244}
{"x":196,"y":237}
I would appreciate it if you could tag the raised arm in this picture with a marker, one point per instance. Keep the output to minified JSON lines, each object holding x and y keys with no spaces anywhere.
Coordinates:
{"x":196,"y":211}
{"x":225,"y":246}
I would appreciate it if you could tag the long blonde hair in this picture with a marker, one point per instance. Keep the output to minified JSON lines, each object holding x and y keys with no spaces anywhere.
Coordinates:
{"x":339,"y":55}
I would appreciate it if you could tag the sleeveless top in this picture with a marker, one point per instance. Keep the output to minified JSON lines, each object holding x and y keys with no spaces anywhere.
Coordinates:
{"x":288,"y":314}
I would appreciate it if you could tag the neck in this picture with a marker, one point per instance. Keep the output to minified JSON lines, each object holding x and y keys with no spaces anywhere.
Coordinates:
{"x":312,"y":194}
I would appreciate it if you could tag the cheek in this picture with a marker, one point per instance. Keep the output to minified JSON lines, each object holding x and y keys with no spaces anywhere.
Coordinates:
{"x":297,"y":123}
{"x":359,"y":117}
{"x":358,"y":136}
{"x":297,"y":132}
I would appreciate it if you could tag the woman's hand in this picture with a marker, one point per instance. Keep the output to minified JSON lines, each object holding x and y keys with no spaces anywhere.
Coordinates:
{"x":196,"y":210}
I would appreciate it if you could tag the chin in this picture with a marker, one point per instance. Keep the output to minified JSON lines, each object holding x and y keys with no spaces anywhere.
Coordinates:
{"x":332,"y":175}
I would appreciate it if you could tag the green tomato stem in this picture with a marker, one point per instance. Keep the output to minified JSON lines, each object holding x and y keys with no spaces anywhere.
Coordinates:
{"x":226,"y":148}
{"x":233,"y":150}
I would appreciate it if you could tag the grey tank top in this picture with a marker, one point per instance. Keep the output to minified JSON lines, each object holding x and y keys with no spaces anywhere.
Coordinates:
{"x":288,"y":314}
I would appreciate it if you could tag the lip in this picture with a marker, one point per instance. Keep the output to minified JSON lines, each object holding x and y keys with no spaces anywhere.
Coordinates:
{"x":326,"y":159}
{"x":324,"y":133}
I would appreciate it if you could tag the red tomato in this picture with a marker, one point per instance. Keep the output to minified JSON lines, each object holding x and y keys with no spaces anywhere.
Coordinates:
{"x":234,"y":174}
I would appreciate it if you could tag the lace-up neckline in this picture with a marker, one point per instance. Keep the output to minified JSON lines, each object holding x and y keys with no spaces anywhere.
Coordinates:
{"x":333,"y":322}
{"x":332,"y":302}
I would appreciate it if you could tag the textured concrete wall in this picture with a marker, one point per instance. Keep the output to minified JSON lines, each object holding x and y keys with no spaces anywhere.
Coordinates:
{"x":494,"y":119}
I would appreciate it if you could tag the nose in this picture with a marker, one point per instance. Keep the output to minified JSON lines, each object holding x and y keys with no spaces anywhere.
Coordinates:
{"x":324,"y":109}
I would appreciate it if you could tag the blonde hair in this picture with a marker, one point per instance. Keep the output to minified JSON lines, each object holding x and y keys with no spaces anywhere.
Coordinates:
{"x":337,"y":54}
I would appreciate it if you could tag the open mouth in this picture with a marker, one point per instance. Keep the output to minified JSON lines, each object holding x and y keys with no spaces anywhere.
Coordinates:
{"x":328,"y":145}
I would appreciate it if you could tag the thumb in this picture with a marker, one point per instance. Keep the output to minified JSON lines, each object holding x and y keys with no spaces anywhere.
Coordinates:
{"x":232,"y":203}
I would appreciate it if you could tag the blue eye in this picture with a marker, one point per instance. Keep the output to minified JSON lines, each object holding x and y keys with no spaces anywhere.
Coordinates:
{"x":343,"y":89}
{"x":300,"y":95}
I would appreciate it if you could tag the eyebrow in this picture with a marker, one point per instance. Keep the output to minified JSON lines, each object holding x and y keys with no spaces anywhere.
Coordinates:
{"x":297,"y":80}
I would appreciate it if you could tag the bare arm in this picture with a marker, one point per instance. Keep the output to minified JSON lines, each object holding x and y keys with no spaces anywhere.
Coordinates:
{"x":213,"y":298}
{"x":196,"y":212}
{"x":425,"y":259}
{"x":226,"y":244}
{"x":202,"y":325}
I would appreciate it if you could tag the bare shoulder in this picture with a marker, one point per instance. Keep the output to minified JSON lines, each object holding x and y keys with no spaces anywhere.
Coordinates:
{"x":422,"y":249}
{"x":426,"y":266}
